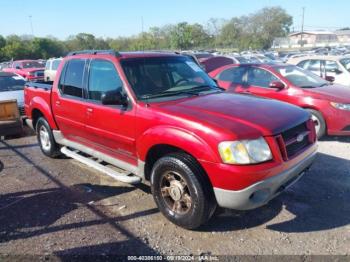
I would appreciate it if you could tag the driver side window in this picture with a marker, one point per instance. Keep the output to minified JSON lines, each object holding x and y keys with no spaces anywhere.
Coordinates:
{"x":260,"y":77}
{"x":103,"y":77}
{"x":234,"y":75}
{"x":331,"y":66}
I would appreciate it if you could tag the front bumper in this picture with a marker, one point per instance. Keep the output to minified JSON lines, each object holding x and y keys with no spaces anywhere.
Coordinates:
{"x":29,"y":122}
{"x":263,"y":191}
{"x":338,"y":122}
{"x":11,"y":127}
{"x":34,"y":78}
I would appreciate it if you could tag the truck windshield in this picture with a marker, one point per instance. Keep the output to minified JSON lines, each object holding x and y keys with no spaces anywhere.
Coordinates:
{"x":11,"y":83}
{"x":346,"y":63}
{"x":155,"y":77}
{"x":31,"y":64}
{"x":300,"y":77}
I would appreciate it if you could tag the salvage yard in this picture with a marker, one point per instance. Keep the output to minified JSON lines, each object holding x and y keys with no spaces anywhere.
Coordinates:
{"x":60,"y":207}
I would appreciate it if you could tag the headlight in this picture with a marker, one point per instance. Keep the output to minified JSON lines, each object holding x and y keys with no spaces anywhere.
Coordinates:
{"x":341,"y":106}
{"x":245,"y":151}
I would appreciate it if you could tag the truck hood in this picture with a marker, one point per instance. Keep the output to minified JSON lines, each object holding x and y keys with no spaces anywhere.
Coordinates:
{"x":32,"y":69}
{"x":13,"y":95}
{"x":243,"y":114}
{"x":333,"y":93}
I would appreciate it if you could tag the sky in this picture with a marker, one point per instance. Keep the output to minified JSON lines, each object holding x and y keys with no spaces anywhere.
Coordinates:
{"x":108,"y":18}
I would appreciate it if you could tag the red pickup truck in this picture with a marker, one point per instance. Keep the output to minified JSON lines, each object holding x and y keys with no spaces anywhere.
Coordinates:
{"x":31,"y":70}
{"x":160,"y":117}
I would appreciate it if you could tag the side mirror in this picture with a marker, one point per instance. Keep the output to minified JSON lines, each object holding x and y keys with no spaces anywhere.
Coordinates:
{"x":114,"y":97}
{"x":330,"y":78}
{"x":277,"y":84}
{"x":337,"y":71}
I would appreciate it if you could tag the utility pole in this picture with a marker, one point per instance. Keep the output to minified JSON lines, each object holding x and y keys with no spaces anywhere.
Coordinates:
{"x":31,"y":25}
{"x":142,"y":35}
{"x":302,"y":28}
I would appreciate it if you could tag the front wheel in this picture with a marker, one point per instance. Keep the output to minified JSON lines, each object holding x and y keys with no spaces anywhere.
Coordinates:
{"x":320,"y":123}
{"x":181,"y":191}
{"x":45,"y":138}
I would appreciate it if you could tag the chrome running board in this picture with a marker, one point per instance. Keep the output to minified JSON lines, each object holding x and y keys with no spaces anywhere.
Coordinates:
{"x":122,"y":177}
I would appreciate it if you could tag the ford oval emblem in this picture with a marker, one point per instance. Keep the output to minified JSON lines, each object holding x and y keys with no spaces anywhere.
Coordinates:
{"x":300,"y":138}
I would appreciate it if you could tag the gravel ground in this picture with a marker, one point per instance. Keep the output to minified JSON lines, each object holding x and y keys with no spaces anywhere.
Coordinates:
{"x":60,"y":207}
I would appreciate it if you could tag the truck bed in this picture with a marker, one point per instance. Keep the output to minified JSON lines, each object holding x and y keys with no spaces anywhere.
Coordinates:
{"x":40,"y":84}
{"x":37,"y":92}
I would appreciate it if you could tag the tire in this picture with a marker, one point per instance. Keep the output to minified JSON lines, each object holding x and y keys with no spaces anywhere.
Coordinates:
{"x":319,"y":122}
{"x":182,"y":190}
{"x":45,"y":138}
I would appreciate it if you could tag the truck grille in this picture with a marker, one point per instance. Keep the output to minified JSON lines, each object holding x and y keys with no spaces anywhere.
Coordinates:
{"x":39,"y":73}
{"x":22,"y":111}
{"x":296,"y":139}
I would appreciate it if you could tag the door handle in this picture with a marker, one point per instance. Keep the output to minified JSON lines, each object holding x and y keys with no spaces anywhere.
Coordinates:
{"x":90,"y":110}
{"x":58,"y":103}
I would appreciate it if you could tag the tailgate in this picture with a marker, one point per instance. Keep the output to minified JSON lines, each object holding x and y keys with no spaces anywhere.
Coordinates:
{"x":9,"y":110}
{"x":10,"y":120}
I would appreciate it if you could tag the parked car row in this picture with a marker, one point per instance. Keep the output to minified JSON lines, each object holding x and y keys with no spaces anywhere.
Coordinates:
{"x":11,"y":88}
{"x":201,"y":140}
{"x":33,"y":70}
{"x":11,"y":103}
{"x":13,"y":76}
{"x":336,"y":67}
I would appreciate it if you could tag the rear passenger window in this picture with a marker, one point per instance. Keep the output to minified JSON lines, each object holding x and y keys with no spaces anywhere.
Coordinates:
{"x":302,"y":64}
{"x":72,"y":84}
{"x":55,"y":64}
{"x":47,"y":66}
{"x":314,"y":65}
{"x":103,"y":78}
{"x":260,"y":77}
{"x":331,"y":66}
{"x":234,"y":75}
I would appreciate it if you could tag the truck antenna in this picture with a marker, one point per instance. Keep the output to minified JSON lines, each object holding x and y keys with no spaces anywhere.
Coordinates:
{"x":142,"y":35}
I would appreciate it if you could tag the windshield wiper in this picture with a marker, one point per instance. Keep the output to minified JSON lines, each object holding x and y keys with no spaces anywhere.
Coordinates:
{"x":169,"y":93}
{"x":308,"y":86}
{"x":325,"y":84}
{"x":208,"y":87}
{"x":192,"y":92}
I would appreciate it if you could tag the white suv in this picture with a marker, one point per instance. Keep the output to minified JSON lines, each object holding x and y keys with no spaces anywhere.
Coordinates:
{"x":51,"y":68}
{"x":334,"y":66}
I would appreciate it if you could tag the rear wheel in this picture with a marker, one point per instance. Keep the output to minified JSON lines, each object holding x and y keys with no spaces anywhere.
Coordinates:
{"x":320,"y":123}
{"x":181,"y":191}
{"x":45,"y":138}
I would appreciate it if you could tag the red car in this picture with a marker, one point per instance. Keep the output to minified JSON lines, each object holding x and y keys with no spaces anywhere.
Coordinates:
{"x":31,"y":70}
{"x":160,"y":117}
{"x":328,"y":103}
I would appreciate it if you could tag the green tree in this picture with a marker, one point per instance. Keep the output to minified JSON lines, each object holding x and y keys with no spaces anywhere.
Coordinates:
{"x":16,"y":48}
{"x":2,"y":44}
{"x":269,"y":23}
{"x":230,"y":33}
{"x":84,"y":41}
{"x":255,"y":31}
{"x":180,"y":36}
{"x":45,"y":48}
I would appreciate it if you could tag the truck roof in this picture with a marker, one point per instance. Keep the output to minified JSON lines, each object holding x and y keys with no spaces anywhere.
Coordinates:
{"x":24,"y":61}
{"x":133,"y":54}
{"x":146,"y":54}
